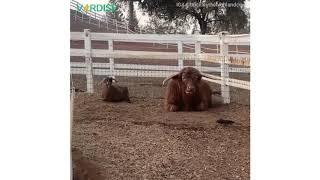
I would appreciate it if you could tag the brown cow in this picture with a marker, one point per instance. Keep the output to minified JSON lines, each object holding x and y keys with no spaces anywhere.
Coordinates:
{"x":187,"y":91}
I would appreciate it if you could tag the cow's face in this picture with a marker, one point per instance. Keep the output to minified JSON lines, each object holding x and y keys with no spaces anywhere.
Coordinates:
{"x":190,"y":77}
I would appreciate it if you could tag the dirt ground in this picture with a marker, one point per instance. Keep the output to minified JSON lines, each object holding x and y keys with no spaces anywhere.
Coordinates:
{"x":141,"y":141}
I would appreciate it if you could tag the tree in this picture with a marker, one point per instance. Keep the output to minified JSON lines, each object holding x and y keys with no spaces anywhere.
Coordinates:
{"x":234,"y":20}
{"x":119,"y":13}
{"x":133,"y":22}
{"x":158,"y":25}
{"x":132,"y":18}
{"x":211,"y":15}
{"x":122,"y":7}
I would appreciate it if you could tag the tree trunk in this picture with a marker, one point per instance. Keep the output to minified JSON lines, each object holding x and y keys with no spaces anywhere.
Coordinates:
{"x":131,"y":26}
{"x":203,"y":25}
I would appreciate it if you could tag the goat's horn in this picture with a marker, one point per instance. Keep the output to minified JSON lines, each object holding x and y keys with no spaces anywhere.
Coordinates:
{"x":101,"y":82}
{"x":114,"y":79}
{"x":169,"y":77}
{"x":210,"y":76}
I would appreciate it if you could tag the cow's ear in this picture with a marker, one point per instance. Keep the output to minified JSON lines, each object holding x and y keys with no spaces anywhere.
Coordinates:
{"x":199,"y":77}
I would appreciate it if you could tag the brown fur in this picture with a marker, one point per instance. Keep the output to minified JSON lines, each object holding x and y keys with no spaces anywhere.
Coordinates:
{"x":177,"y":98}
{"x":114,"y":93}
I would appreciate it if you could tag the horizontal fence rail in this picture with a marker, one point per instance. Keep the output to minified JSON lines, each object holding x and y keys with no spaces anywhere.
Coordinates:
{"x":163,"y":38}
{"x":81,"y":65}
{"x":234,"y":61}
{"x":160,"y":55}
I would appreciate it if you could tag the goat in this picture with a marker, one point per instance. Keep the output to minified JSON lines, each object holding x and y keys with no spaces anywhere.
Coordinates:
{"x":187,"y":91}
{"x":114,"y":93}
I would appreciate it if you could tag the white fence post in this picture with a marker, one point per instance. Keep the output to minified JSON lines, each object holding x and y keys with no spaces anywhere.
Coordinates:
{"x":225,"y":89}
{"x":111,"y":60}
{"x":180,"y":51}
{"x":116,"y":26}
{"x":198,"y":51}
{"x":197,"y":47}
{"x":88,"y":59}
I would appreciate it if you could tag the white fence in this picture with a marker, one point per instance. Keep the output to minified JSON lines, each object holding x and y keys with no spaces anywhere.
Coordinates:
{"x":224,"y":57}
